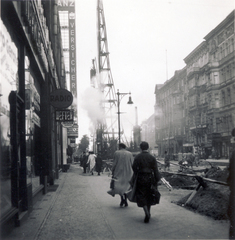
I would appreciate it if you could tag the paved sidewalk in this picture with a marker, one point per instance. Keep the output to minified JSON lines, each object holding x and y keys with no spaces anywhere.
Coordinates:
{"x":81,"y":209}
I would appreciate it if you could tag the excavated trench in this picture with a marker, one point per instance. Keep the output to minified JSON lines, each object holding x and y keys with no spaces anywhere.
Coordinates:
{"x":212,"y":200}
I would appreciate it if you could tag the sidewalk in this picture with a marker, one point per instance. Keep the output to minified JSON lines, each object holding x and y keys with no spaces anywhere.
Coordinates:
{"x":80,"y":208}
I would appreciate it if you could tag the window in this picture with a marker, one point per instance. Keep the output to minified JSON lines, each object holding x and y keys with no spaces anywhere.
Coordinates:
{"x":229,"y":95}
{"x":221,"y":52}
{"x":232,"y":45}
{"x":223,"y":98}
{"x":226,"y":49}
{"x":216,"y":78}
{"x":217,"y":100}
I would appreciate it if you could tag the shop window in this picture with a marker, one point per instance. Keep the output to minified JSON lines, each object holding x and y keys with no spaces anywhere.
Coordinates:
{"x":8,"y":82}
{"x":33,"y":125}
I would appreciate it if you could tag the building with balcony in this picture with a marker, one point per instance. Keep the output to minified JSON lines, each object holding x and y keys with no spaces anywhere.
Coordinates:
{"x":195,"y":109}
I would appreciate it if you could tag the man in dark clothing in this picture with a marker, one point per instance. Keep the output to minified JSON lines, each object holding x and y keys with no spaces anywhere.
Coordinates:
{"x":98,"y":162}
{"x":84,"y":161}
{"x":231,"y":183}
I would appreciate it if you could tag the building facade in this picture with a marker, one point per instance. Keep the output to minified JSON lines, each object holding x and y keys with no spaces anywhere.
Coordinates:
{"x":148,"y":132}
{"x":195,"y":109}
{"x":31,"y":140}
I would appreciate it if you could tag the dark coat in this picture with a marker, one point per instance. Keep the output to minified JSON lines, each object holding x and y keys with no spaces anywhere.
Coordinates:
{"x":84,"y":160}
{"x":145,"y":165}
{"x":98,"y":162}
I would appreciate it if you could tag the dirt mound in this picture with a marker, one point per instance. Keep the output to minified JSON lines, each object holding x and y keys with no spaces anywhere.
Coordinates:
{"x":178,"y":181}
{"x":213,"y":200}
{"x":217,"y":174}
{"x":181,"y":181}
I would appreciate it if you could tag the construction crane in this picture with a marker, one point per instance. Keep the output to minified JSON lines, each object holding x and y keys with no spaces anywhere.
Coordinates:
{"x":102,"y":80}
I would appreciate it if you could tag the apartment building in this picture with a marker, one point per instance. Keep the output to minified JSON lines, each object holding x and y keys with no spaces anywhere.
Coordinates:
{"x":195,"y":109}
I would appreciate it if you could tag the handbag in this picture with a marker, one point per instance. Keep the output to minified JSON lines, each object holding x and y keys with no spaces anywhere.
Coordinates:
{"x":112,"y":183}
{"x":131,"y":192}
{"x":112,"y":186}
{"x":155,"y":195}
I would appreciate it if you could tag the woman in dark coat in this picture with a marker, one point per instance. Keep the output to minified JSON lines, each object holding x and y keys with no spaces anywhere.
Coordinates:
{"x":145,"y":165}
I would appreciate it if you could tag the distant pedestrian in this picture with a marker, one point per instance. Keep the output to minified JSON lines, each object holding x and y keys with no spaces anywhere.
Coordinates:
{"x":98,"y":163}
{"x":84,"y":161}
{"x":196,"y":159}
{"x":122,"y":173}
{"x":167,"y":161}
{"x":190,"y":159}
{"x":231,"y":183}
{"x":146,"y":169}
{"x":91,"y":162}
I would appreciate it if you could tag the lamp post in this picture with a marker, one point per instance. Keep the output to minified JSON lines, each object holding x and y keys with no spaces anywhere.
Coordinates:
{"x":118,"y":102}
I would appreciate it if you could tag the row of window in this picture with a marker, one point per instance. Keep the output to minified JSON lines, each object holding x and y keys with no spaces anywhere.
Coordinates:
{"x":226,"y":48}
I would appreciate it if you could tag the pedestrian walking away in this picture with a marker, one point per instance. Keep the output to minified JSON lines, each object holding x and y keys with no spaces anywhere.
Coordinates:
{"x":98,"y":164}
{"x":121,"y":173}
{"x":84,"y":161}
{"x":146,"y":169}
{"x":91,"y":162}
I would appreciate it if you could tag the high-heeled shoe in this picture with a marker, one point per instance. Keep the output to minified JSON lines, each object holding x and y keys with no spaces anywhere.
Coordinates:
{"x":146,"y":219}
{"x":122,"y":203}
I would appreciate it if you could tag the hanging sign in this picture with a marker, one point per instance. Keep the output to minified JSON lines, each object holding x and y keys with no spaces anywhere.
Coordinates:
{"x":64,"y":115}
{"x":61,"y":98}
{"x":73,"y":131}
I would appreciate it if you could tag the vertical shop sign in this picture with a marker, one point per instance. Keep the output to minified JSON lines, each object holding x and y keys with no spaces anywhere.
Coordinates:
{"x":72,"y":40}
{"x":69,"y":6}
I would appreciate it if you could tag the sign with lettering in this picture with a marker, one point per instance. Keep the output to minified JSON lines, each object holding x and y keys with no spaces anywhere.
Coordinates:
{"x":68,"y":11}
{"x":66,"y":3}
{"x":61,"y":98}
{"x":64,"y":115}
{"x":67,"y":124}
{"x":73,"y":131}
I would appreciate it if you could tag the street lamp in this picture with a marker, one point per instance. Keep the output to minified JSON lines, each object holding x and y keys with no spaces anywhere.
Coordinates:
{"x":118,"y":102}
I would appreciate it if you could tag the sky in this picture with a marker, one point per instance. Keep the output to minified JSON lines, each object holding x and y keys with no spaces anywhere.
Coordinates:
{"x":147,"y":41}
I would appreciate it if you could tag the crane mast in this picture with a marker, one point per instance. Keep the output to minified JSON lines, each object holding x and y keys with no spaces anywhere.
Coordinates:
{"x":101,"y":78}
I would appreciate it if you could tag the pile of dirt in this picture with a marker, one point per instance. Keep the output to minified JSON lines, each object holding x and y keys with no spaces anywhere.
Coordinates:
{"x":217,"y":174}
{"x":177,"y":181}
{"x":213,"y":200}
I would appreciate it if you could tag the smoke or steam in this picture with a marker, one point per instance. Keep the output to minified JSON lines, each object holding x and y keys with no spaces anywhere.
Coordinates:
{"x":92,"y":103}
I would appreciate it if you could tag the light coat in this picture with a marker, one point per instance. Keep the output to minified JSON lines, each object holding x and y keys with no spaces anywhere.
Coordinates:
{"x":122,"y":171}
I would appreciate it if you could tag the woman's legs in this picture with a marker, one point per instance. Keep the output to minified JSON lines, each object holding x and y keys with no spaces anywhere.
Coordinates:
{"x":147,"y":214}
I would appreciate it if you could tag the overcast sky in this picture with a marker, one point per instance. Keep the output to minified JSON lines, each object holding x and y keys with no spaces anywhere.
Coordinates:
{"x":147,"y":41}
